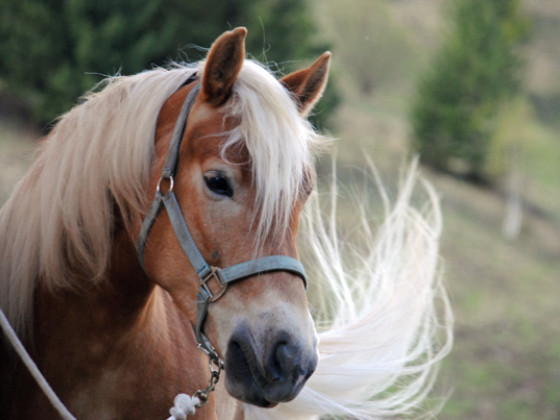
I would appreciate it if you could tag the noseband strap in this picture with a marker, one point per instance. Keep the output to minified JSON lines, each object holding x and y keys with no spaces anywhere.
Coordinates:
{"x":207,"y":274}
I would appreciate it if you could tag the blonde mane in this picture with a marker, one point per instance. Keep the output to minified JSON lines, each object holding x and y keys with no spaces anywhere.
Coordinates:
{"x":274,"y":131}
{"x":58,"y":224}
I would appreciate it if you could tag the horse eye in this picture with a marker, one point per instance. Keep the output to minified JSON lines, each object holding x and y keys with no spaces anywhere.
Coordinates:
{"x":218,"y":183}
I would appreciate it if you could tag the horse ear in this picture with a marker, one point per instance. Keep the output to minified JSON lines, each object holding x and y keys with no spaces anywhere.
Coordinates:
{"x":308,"y":84}
{"x":223,"y":65}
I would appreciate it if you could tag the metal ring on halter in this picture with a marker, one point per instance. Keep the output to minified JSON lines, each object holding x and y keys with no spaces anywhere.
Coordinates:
{"x":171,"y":183}
{"x":214,"y":274}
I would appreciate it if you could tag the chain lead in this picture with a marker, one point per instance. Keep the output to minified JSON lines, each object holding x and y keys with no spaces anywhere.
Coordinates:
{"x":203,"y":394}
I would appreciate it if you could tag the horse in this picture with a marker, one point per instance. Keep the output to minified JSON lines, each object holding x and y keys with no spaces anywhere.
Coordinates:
{"x":152,"y":250}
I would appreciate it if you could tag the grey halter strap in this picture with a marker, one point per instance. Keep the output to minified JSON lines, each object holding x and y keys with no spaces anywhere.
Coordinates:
{"x":206,"y":273}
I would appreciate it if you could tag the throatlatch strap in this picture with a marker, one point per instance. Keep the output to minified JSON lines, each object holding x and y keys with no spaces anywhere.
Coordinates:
{"x":147,"y":226}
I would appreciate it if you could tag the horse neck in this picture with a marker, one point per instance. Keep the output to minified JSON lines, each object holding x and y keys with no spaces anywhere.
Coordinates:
{"x":115,"y":338}
{"x":111,"y":308}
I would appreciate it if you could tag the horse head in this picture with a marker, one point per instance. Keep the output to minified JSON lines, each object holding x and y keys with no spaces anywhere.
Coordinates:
{"x":242,"y":172}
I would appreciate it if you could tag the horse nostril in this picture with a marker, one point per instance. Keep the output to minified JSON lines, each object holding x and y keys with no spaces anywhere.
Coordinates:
{"x":269,"y":371}
{"x":285,"y":363}
{"x":285,"y":357}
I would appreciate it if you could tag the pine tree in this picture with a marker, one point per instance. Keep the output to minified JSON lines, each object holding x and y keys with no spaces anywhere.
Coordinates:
{"x":477,"y":69}
{"x":52,"y":51}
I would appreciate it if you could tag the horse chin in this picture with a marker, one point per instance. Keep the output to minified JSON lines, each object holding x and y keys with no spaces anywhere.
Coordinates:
{"x":249,"y":393}
{"x":252,"y":382}
{"x":251,"y":390}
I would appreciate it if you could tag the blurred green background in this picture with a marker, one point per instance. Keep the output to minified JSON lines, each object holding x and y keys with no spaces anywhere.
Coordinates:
{"x":493,"y":75}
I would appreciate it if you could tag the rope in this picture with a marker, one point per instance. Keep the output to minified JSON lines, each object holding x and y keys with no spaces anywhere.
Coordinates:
{"x":33,"y":369}
{"x":185,"y":405}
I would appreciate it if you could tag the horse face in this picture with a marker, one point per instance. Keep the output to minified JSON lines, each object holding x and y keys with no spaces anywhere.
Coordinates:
{"x":261,"y":325}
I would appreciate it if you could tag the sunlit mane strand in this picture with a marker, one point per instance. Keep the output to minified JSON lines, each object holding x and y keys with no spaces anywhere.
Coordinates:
{"x":280,"y":142}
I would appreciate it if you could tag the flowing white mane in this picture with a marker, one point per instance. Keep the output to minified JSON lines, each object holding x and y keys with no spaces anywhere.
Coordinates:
{"x":386,"y":319}
{"x":57,"y":225}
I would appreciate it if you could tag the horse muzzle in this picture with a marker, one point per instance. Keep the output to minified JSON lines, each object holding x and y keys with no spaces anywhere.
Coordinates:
{"x":269,"y":370}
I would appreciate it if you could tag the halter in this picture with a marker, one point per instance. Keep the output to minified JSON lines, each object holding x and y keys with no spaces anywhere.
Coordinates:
{"x":206,"y":273}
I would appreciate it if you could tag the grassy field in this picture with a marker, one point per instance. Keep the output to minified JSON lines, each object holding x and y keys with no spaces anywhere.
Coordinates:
{"x":505,"y":292}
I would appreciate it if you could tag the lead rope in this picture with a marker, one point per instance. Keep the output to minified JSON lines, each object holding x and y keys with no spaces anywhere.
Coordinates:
{"x":33,"y":369}
{"x":185,"y":405}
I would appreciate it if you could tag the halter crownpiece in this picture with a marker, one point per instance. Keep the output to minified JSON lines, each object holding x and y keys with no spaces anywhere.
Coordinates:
{"x":206,"y":273}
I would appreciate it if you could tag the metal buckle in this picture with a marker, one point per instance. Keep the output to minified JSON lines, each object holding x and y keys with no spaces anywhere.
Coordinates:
{"x":214,"y":274}
{"x":171,"y":184}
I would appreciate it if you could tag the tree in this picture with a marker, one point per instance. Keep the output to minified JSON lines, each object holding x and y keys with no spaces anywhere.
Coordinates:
{"x":52,"y":51}
{"x":477,"y":69}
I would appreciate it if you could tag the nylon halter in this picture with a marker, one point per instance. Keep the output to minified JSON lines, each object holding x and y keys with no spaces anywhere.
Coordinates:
{"x":206,"y":273}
